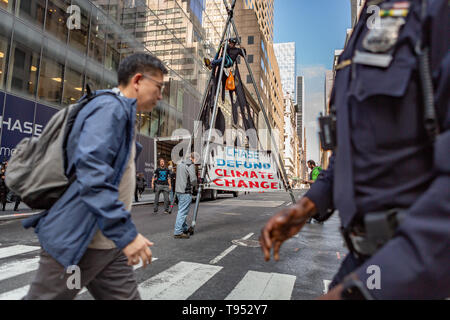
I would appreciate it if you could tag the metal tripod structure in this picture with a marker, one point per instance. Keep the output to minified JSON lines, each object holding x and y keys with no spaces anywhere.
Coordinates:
{"x":227,"y":30}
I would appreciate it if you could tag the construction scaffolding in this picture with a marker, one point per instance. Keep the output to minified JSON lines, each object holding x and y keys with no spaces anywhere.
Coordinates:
{"x":229,"y":27}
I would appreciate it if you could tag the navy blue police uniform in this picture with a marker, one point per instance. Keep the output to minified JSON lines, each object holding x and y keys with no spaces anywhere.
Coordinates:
{"x":384,"y":158}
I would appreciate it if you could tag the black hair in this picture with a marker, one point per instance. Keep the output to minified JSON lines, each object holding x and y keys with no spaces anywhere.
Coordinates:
{"x":312,"y":162}
{"x":139,"y":63}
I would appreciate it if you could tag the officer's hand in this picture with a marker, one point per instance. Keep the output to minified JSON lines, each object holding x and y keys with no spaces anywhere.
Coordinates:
{"x":139,"y":250}
{"x":284,"y":226}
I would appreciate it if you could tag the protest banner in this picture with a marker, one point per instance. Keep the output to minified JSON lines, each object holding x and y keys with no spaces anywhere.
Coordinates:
{"x":243,"y":170}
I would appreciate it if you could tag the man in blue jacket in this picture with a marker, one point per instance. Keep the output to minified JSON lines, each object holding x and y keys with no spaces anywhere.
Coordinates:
{"x":89,"y":230}
{"x":395,"y":225}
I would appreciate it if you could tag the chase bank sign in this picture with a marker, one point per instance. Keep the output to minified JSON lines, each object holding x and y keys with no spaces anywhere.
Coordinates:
{"x":20,"y":118}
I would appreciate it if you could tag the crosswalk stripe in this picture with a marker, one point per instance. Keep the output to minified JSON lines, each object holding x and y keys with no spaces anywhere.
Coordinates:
{"x":16,"y":294}
{"x":135,"y":268}
{"x":178,"y":282}
{"x":16,"y":268}
{"x":326,"y":285}
{"x":16,"y":250}
{"x":263,"y":286}
{"x":19,"y":293}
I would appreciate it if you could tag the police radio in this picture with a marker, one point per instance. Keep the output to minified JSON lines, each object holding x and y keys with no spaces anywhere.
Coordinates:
{"x":327,"y":131}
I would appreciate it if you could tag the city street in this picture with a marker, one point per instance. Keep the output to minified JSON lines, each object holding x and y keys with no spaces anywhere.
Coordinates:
{"x":221,"y":261}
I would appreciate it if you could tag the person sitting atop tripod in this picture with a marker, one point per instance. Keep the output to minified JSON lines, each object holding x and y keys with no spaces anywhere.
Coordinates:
{"x":232,"y":53}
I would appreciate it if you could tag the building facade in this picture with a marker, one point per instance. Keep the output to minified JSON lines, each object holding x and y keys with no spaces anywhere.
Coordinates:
{"x":300,"y":106}
{"x":48,"y":55}
{"x":286,"y":57}
{"x":264,"y":10}
{"x":291,"y":142}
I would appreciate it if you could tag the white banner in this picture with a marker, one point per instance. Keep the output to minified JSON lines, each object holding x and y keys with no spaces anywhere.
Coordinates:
{"x":243,"y":170}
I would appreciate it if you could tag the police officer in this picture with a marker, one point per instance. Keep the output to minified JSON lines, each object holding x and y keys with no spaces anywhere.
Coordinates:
{"x":389,"y":175}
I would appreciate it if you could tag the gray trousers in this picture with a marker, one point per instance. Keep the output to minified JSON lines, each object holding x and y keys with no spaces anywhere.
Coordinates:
{"x":105,"y":273}
{"x":165,"y":190}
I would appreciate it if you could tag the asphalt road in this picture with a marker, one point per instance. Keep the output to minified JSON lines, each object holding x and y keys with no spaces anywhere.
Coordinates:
{"x":213,"y":264}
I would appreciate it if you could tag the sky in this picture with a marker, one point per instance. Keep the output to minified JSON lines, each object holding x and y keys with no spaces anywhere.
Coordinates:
{"x":318,"y":27}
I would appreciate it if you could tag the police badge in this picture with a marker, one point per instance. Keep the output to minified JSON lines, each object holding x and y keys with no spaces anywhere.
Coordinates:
{"x":383,"y":38}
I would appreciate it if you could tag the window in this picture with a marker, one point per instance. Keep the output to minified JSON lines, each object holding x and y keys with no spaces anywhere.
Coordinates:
{"x":24,"y":64}
{"x":250,"y":58}
{"x":249,"y":79}
{"x":78,"y":38}
{"x":32,"y":11}
{"x":94,"y":75}
{"x":56,"y":22}
{"x":97,"y":38}
{"x":73,"y":78}
{"x":251,"y":40}
{"x":112,"y":59}
{"x":5,"y":38}
{"x":51,"y":75}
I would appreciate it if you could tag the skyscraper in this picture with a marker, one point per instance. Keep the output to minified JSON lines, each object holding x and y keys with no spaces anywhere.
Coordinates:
{"x":264,"y":10}
{"x":285,"y":53}
{"x":301,"y":106}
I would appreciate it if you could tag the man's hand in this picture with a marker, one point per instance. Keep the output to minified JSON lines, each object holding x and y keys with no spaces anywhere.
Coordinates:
{"x":284,"y":226}
{"x":139,"y":249}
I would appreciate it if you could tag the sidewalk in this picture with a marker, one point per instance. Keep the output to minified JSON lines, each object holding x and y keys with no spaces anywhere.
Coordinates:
{"x":24,"y":211}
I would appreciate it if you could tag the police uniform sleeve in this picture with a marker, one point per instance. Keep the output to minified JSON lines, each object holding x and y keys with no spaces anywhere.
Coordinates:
{"x":415,"y":264}
{"x":321,"y":192}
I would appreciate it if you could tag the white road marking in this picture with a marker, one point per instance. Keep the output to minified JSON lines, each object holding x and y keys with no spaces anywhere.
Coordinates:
{"x":326,"y":285}
{"x":16,"y":294}
{"x":223,"y":254}
{"x":16,"y":268}
{"x":16,"y":250}
{"x":263,"y":286}
{"x":177,"y":283}
{"x":19,"y":293}
{"x":248,"y":236}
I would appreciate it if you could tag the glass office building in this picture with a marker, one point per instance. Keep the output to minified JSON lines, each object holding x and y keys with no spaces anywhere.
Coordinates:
{"x":47,"y":57}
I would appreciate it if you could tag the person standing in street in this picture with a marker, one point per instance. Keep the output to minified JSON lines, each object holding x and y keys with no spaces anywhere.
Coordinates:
{"x":89,"y":228}
{"x":3,"y":190}
{"x":161,"y":184}
{"x":315,"y":172}
{"x":173,"y":176}
{"x":389,"y":174}
{"x":186,"y":181}
{"x":140,"y":186}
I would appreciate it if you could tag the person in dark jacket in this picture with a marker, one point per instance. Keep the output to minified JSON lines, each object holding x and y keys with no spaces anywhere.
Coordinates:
{"x":232,"y":52}
{"x":3,"y":190}
{"x":141,"y":183}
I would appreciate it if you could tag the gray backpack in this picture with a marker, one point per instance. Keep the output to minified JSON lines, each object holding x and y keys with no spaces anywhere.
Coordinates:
{"x":36,"y":170}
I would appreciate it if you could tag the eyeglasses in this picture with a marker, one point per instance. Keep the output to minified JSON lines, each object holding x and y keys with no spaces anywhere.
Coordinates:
{"x":160,"y":85}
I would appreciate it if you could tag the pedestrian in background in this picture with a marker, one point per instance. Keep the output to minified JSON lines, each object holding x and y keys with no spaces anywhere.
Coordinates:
{"x":141,"y":183}
{"x":186,"y":180}
{"x":90,"y":226}
{"x":3,"y":190}
{"x":173,"y":175}
{"x":161,"y":184}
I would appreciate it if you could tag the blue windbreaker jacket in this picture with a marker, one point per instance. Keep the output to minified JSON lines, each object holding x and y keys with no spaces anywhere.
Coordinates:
{"x":98,"y":150}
